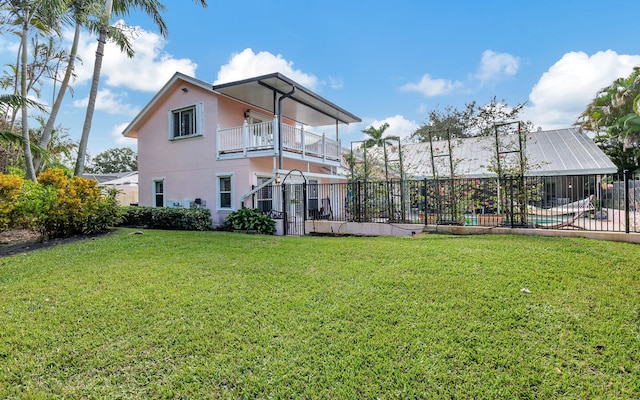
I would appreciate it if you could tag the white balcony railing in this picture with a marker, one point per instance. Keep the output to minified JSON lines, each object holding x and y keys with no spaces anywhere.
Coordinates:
{"x":250,"y":138}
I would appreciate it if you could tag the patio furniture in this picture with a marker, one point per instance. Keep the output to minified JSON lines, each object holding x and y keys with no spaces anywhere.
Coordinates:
{"x":560,"y":216}
{"x":325,"y":209}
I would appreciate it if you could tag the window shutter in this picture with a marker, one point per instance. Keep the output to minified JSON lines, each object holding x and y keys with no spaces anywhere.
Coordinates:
{"x":200,"y":118}
{"x":170,"y":125}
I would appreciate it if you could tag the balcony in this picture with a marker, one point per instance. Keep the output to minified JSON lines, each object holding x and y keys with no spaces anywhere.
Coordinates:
{"x":260,"y":140}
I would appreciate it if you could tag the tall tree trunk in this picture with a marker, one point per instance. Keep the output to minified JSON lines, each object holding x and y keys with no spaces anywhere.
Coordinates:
{"x":48,"y":129}
{"x":86,"y":128}
{"x":91,"y":105}
{"x":28,"y":158}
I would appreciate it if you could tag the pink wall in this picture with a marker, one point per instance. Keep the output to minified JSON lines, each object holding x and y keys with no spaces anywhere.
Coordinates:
{"x":189,"y":166}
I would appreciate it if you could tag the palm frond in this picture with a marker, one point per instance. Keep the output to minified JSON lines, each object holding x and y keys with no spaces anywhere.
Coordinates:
{"x":11,"y":137}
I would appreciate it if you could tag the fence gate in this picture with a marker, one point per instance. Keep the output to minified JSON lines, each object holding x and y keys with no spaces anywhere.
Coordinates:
{"x":514,"y":197}
{"x":294,"y":200}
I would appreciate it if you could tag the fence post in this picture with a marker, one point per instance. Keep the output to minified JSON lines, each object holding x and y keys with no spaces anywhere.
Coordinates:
{"x":424,"y":202}
{"x":284,"y":209}
{"x":359,"y":202}
{"x":627,"y":175}
{"x":304,"y":204}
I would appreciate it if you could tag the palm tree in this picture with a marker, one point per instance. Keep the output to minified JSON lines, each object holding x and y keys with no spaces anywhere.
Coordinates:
{"x":376,"y":139}
{"x":78,"y":9}
{"x":40,"y":15}
{"x":118,"y":8}
{"x":7,"y":136}
{"x":614,"y":116}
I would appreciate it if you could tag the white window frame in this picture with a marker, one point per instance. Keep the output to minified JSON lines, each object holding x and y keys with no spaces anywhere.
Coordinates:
{"x":219,"y":191}
{"x":155,"y":194}
{"x":197,"y":121}
{"x":266,"y":193}
{"x":255,"y":117}
{"x":312,"y":196}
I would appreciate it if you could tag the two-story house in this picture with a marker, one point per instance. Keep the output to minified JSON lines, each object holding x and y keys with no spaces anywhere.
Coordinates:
{"x":221,"y":146}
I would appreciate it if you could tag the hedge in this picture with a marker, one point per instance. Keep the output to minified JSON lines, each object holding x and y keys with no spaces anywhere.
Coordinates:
{"x":188,"y":219}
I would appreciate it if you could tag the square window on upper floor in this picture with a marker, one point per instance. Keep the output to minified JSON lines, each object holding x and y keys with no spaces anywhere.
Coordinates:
{"x":186,"y":122}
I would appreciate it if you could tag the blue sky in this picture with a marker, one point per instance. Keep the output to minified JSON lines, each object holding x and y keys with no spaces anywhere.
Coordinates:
{"x":383,"y":61}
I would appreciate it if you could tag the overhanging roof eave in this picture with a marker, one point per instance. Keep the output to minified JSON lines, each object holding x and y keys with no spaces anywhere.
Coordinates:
{"x":310,"y":108}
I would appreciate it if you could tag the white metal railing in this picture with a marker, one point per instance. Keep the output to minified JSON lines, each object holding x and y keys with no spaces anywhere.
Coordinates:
{"x":260,"y":135}
{"x":230,"y":140}
{"x":263,"y":136}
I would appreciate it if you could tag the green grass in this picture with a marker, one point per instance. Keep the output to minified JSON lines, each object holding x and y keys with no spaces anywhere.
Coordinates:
{"x":171,"y":314}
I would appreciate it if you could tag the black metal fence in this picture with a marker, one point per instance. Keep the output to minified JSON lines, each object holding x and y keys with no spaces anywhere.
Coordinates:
{"x":589,"y":202}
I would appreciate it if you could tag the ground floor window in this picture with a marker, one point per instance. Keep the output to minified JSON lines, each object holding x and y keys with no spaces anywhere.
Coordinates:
{"x":224,"y":191}
{"x":312,"y":198}
{"x":158,"y":192}
{"x":265,"y":196}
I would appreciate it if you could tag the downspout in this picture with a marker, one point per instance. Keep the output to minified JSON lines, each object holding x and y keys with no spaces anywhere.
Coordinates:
{"x":280,"y":124}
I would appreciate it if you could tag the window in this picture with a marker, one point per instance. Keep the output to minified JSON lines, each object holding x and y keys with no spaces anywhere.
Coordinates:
{"x":158,"y":192}
{"x":312,"y":197}
{"x":224,"y":191}
{"x":185,"y":122}
{"x":265,"y":196}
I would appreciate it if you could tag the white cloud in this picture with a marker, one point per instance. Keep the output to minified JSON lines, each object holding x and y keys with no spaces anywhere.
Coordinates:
{"x":336,"y":83}
{"x":111,"y":103}
{"x":9,"y":46}
{"x":565,"y":90}
{"x":116,"y":134}
{"x":147,"y":71}
{"x":248,"y":64}
{"x":496,"y":65}
{"x":432,"y":87}
{"x":398,"y":126}
{"x":493,"y":66}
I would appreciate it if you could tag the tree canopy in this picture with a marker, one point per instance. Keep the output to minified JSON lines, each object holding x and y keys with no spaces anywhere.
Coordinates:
{"x":121,"y":159}
{"x":41,"y":61}
{"x":614,"y":116}
{"x":472,"y":120}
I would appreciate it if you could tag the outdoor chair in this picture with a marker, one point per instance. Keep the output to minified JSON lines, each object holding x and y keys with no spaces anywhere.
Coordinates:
{"x":325,"y":209}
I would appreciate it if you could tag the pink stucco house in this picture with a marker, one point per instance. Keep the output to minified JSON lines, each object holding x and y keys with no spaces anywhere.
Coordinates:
{"x":221,"y":146}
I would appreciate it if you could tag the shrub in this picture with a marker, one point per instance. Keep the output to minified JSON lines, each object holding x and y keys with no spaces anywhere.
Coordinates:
{"x":249,"y":219}
{"x":188,"y":219}
{"x":136,"y":216}
{"x":10,"y":188}
{"x":33,"y":206}
{"x":80,"y":207}
{"x":56,"y":206}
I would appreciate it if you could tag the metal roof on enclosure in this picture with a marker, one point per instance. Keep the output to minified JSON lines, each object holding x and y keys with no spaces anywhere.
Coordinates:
{"x":302,"y":106}
{"x":550,"y":153}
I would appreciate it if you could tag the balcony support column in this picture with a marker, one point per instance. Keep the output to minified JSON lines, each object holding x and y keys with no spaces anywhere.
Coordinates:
{"x":245,"y":137}
{"x":302,"y":140}
{"x":324,"y":147}
{"x":280,"y":100}
{"x":218,"y":137}
{"x":276,"y":135}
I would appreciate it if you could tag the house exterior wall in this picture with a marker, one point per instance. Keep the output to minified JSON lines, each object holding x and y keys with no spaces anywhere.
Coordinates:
{"x":188,"y":166}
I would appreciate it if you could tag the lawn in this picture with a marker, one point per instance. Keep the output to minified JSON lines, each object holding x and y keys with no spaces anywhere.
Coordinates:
{"x":170,"y":314}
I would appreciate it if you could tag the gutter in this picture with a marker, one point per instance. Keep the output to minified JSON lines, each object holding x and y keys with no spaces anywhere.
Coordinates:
{"x":284,"y":96}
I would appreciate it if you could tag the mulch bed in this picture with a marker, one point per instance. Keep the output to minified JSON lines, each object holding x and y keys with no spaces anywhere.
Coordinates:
{"x":23,"y":240}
